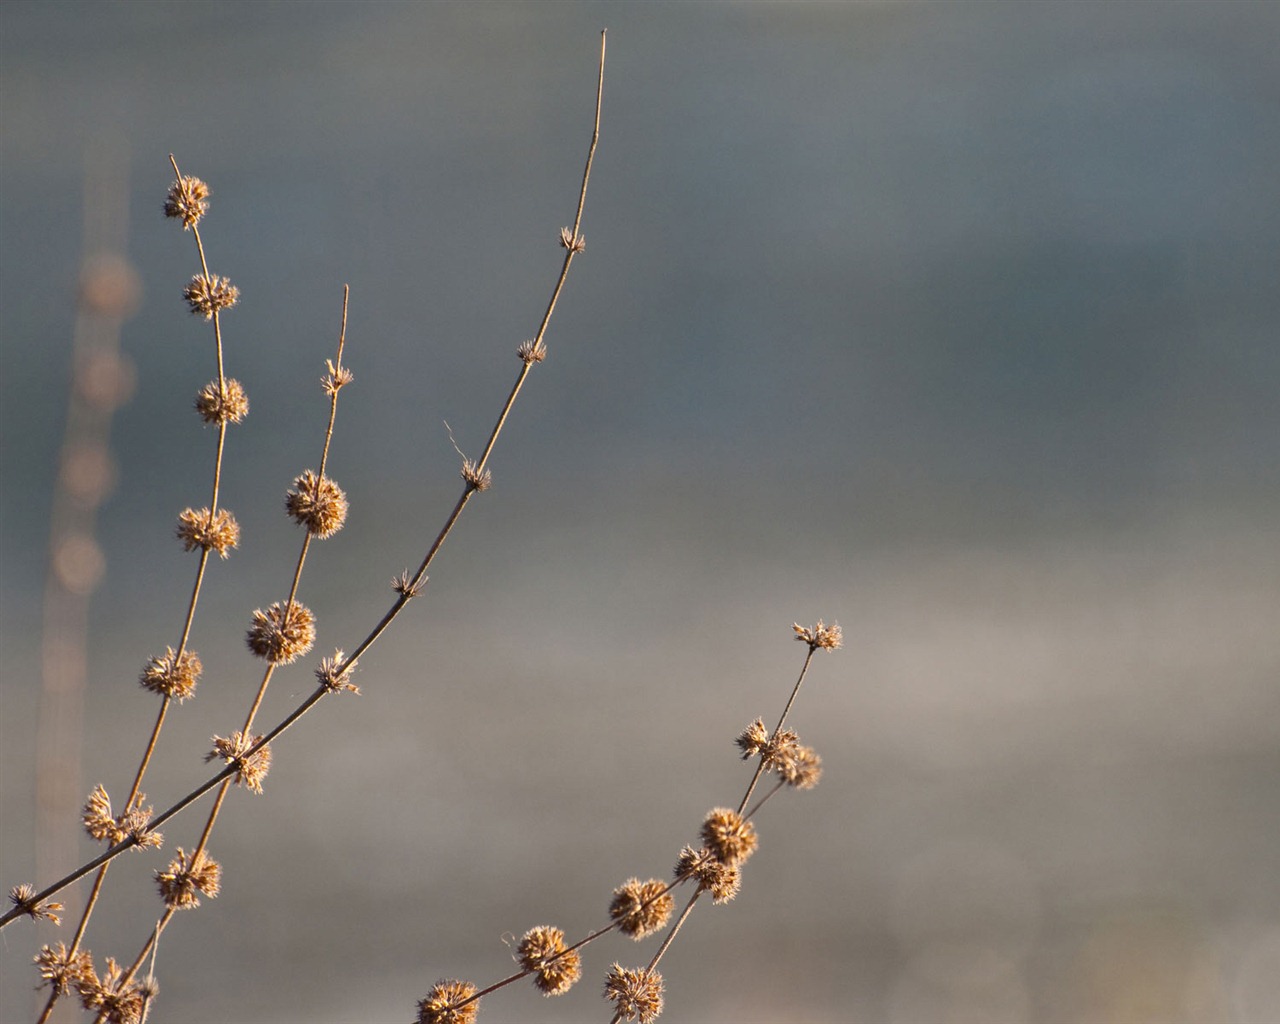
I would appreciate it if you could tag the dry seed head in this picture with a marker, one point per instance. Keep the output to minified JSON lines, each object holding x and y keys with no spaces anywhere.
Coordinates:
{"x":641,"y":908}
{"x":318,"y":504}
{"x":217,"y":531}
{"x":22,"y":896}
{"x":103,"y":826}
{"x":336,"y":379}
{"x":225,"y":404}
{"x":636,"y":995}
{"x":250,"y":771}
{"x":721,"y":880}
{"x":334,"y":674}
{"x":532,"y":352}
{"x":802,"y":769}
{"x":61,"y":969}
{"x":477,"y":479}
{"x":728,"y":836}
{"x":403,"y":584}
{"x":829,"y":638}
{"x":281,"y":638}
{"x":172,"y":676}
{"x":542,"y":950}
{"x":574,"y":243}
{"x":188,"y":198}
{"x":444,"y":1004}
{"x":208,"y":296}
{"x":117,"y":1001}
{"x":186,"y":879}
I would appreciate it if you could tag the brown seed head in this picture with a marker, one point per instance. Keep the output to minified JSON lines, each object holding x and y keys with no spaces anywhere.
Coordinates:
{"x":730,"y":838}
{"x":477,"y":479}
{"x":636,"y":995}
{"x":574,"y":243}
{"x":829,"y":638}
{"x":208,"y":530}
{"x":187,"y":878}
{"x":116,"y":1001}
{"x":336,"y":379}
{"x":403,"y":584}
{"x":208,"y":296}
{"x":101,"y":825}
{"x":318,"y":504}
{"x":225,"y":404}
{"x":23,"y":897}
{"x":802,"y":769}
{"x":171,"y":676}
{"x":61,"y":969}
{"x":542,"y":950}
{"x":250,"y":771}
{"x":282,"y":638}
{"x":447,"y":1003}
{"x":188,"y":198}
{"x":641,"y":908}
{"x":721,"y":880}
{"x":334,"y":674}
{"x":532,"y":352}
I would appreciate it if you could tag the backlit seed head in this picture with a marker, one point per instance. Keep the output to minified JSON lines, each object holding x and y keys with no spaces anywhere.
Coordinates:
{"x":447,"y":1003}
{"x":188,"y":198}
{"x":636,"y":995}
{"x":542,"y":950}
{"x":23,"y":897}
{"x":61,"y":969}
{"x":721,"y":880}
{"x":116,"y":1001}
{"x":574,"y":243}
{"x":336,"y":379}
{"x":318,"y":504}
{"x":477,"y":479}
{"x":225,"y":404}
{"x":334,"y":674}
{"x":208,"y":530}
{"x":187,"y":878}
{"x":532,"y":352}
{"x":730,"y":838}
{"x":283,"y":633}
{"x":208,"y":296}
{"x":250,"y":771}
{"x":112,"y":829}
{"x":641,"y":908}
{"x":404,"y":584}
{"x":802,"y":769}
{"x":829,"y":638}
{"x":172,"y":676}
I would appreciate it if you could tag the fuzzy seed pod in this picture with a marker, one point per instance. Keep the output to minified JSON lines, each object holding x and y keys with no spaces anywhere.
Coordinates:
{"x":319,"y":505}
{"x":447,"y":1003}
{"x":171,"y":676}
{"x":641,"y":908}
{"x":636,"y":995}
{"x":730,"y":838}
{"x":542,"y":950}
{"x":188,"y":199}
{"x":186,"y":879}
{"x":225,"y":404}
{"x":281,"y":638}
{"x":207,"y":296}
{"x":209,"y":531}
{"x":250,"y":771}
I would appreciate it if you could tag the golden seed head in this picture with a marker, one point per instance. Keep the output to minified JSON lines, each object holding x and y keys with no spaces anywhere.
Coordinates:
{"x":829,"y":638}
{"x":334,"y":674}
{"x":721,"y":880}
{"x":730,"y":838}
{"x":532,"y":352}
{"x":208,"y":530}
{"x":753,"y":739}
{"x":641,"y":908}
{"x":636,"y":995}
{"x":117,"y":1001}
{"x":574,"y":243}
{"x":188,"y":198}
{"x":225,"y":404}
{"x":187,"y":878}
{"x":208,"y":296}
{"x":318,"y":504}
{"x":336,"y":379}
{"x":23,"y":897}
{"x":103,"y":826}
{"x":250,"y":771}
{"x":802,"y":769}
{"x":172,"y":676}
{"x":282,"y":638}
{"x":60,"y":969}
{"x":449,"y":1002}
{"x":542,"y":951}
{"x":477,"y":479}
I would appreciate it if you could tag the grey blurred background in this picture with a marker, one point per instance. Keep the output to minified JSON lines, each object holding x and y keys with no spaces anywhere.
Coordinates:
{"x":954,"y":322}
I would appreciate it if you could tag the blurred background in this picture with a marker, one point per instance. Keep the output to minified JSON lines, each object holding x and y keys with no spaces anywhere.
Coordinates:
{"x":956,"y":323}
